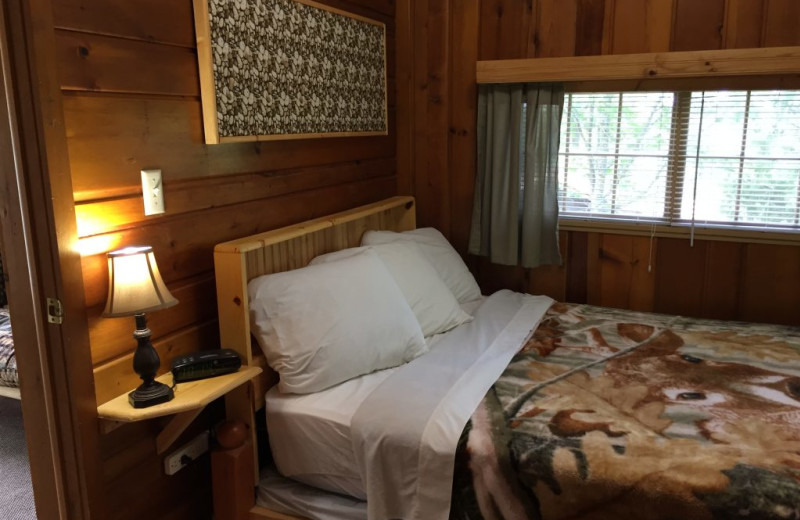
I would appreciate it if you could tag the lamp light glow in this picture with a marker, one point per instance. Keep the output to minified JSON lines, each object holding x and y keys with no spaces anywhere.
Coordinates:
{"x":135,"y":285}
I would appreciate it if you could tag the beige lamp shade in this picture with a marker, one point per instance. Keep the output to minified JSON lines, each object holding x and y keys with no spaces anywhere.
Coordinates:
{"x":134,"y":283}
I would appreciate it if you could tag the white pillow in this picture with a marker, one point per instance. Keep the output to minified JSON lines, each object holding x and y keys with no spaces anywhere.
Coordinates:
{"x":327,"y":323}
{"x":435,"y":307}
{"x":446,"y":260}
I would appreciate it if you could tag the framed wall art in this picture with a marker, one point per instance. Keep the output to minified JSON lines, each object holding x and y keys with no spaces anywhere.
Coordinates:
{"x":289,"y":69}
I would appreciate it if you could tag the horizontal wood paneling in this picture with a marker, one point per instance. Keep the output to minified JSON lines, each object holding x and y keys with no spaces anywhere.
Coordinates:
{"x":130,"y":92}
{"x":200,"y":194}
{"x":169,"y":22}
{"x":108,"y":64}
{"x":112,"y":138}
{"x":184,"y":244}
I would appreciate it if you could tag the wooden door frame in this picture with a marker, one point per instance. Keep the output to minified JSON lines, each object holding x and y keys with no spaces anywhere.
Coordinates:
{"x":42,"y":261}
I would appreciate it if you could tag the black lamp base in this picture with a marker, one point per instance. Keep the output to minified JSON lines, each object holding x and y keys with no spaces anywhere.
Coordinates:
{"x":151,"y":395}
{"x":145,"y":363}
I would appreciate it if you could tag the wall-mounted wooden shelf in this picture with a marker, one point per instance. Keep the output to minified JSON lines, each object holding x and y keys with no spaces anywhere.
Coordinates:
{"x":190,"y":399}
{"x":666,"y":65}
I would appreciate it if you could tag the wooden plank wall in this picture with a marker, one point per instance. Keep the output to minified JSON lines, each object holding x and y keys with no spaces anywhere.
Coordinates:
{"x":131,"y":99}
{"x":715,"y":279}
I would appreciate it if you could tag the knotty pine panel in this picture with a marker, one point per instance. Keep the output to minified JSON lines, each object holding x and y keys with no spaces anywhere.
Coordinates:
{"x":698,"y":25}
{"x":722,"y":282}
{"x":112,"y":137}
{"x":600,"y":268}
{"x":131,"y":99}
{"x":436,"y":187}
{"x":102,"y":63}
{"x":625,"y":282}
{"x":781,"y":22}
{"x":465,"y":27}
{"x":170,"y":22}
{"x":200,"y":194}
{"x":770,"y":284}
{"x":198,"y":303}
{"x":680,"y":276}
{"x":556,"y":22}
{"x":551,"y":280}
{"x":638,"y":26}
{"x":744,"y":20}
{"x":504,"y":29}
{"x":184,"y":244}
{"x":590,"y":24}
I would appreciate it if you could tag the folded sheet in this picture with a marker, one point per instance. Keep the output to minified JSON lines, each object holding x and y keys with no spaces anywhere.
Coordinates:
{"x":406,"y":431}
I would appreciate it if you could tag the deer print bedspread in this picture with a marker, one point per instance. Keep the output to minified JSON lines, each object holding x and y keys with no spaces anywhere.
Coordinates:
{"x":608,"y":414}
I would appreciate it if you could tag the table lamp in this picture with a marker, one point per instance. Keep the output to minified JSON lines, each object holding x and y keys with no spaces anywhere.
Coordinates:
{"x":134,"y":288}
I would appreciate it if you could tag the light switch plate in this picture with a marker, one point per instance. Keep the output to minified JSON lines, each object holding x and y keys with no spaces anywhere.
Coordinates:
{"x":153,"y":192}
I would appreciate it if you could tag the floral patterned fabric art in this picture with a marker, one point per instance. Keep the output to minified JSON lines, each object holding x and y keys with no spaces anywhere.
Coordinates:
{"x":618,"y":414}
{"x":284,"y":67}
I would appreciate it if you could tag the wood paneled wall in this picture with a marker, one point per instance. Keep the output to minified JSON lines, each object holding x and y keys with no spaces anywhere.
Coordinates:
{"x":441,"y":41}
{"x":130,"y":92}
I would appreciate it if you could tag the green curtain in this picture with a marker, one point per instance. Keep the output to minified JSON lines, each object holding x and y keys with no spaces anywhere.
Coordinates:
{"x":515,"y":210}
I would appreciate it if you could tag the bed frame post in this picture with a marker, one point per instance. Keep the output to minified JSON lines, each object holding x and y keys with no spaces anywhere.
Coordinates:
{"x":232,"y":482}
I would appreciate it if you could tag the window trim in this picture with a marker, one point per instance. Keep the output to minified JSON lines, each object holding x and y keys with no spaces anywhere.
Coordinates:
{"x":678,"y":230}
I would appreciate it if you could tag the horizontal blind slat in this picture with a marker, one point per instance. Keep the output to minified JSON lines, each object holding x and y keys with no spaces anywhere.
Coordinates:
{"x":635,"y":155}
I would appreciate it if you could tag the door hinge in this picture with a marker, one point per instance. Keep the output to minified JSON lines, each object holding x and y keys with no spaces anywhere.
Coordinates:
{"x":55,"y":311}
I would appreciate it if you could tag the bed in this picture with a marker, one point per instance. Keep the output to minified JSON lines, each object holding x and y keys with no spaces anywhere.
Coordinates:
{"x":552,"y":410}
{"x":9,"y":378}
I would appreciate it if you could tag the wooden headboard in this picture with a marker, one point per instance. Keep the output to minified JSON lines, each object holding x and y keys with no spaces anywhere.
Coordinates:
{"x":239,"y":261}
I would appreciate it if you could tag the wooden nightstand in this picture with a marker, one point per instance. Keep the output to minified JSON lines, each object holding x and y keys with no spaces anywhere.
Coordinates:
{"x":190,"y":399}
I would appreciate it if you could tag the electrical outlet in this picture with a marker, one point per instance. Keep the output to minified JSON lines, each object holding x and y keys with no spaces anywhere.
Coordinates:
{"x":152,"y":192}
{"x":187,"y":453}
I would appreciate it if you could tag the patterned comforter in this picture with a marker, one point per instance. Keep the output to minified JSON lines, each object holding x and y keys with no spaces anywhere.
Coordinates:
{"x":609,"y":414}
{"x":8,"y":360}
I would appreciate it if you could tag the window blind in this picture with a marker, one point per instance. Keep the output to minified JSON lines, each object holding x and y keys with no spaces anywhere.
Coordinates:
{"x":722,"y":158}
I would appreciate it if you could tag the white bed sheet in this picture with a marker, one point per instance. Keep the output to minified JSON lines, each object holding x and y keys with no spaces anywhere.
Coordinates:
{"x":405,"y":433}
{"x":310,"y":434}
{"x":390,"y":437}
{"x":283,"y":495}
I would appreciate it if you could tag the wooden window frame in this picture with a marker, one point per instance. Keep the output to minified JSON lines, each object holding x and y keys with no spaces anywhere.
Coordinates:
{"x":744,"y":69}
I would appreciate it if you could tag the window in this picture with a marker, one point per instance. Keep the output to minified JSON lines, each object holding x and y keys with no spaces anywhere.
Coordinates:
{"x":714,"y":159}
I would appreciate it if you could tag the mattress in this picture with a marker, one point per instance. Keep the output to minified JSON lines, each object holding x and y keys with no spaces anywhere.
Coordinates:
{"x":284,"y":495}
{"x":310,"y":435}
{"x":8,"y":360}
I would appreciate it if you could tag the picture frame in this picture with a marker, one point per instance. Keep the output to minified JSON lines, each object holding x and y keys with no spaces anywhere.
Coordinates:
{"x":289,"y":69}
